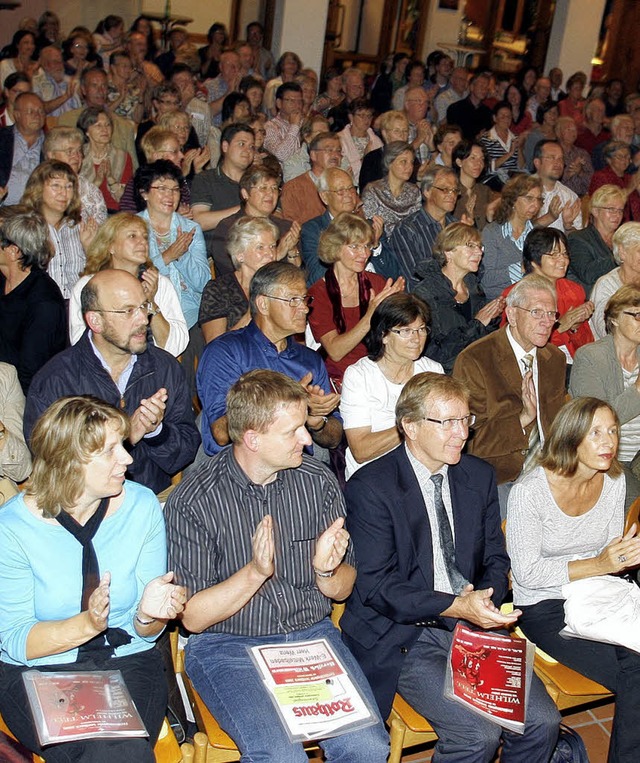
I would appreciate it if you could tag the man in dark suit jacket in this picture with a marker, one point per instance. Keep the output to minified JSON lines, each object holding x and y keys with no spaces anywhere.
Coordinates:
{"x":414,"y":585}
{"x":507,"y":399}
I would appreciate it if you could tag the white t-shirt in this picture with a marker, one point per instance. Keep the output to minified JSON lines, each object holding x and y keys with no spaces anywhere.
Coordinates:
{"x":369,"y":399}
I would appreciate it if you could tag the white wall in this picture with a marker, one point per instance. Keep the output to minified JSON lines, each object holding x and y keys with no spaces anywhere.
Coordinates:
{"x":574,"y":36}
{"x":299,"y":26}
{"x":442,"y":26}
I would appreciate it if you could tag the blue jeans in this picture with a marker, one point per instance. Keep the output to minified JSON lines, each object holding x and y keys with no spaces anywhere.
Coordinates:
{"x":464,"y":736}
{"x":223,"y":674}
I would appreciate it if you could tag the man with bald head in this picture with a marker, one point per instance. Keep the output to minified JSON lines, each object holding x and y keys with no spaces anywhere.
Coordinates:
{"x":114,"y":362}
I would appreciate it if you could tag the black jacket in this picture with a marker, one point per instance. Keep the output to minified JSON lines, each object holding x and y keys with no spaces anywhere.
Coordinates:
{"x":78,"y":371}
{"x":451,"y":332}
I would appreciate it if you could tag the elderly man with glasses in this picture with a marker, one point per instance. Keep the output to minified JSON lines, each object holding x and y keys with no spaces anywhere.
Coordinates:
{"x":425,"y":525}
{"x":517,"y":382}
{"x":412,"y":239}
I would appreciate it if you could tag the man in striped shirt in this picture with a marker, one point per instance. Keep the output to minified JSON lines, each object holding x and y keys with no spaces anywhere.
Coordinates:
{"x":257,"y":535}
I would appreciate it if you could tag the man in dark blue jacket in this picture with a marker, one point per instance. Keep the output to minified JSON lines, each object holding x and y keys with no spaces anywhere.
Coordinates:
{"x":113,"y":362}
{"x":425,"y":524}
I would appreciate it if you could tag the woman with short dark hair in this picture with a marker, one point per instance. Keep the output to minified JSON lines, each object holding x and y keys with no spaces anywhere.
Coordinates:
{"x":371,"y":387}
{"x":394,"y":197}
{"x":546,"y":252}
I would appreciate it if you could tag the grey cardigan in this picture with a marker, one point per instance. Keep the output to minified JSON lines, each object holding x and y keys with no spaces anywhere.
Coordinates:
{"x":597,"y":373}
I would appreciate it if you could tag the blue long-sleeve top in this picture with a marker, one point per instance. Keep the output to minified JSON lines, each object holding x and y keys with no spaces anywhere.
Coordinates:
{"x":41,"y":571}
{"x":190,"y":273}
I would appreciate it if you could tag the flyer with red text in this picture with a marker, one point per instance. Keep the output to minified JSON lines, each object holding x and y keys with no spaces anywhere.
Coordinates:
{"x":490,"y":674}
{"x":310,"y":689}
{"x":94,"y":705}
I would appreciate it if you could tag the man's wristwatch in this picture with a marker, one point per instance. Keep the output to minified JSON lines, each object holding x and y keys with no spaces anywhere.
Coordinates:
{"x":329,"y":574}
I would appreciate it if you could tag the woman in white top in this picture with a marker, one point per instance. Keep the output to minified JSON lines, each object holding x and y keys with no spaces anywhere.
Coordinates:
{"x":122,"y":243}
{"x":371,"y":386}
{"x":565,"y":522}
{"x":626,"y":252}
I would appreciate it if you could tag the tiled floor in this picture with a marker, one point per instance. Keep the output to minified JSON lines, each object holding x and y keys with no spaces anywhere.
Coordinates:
{"x":594,"y":726}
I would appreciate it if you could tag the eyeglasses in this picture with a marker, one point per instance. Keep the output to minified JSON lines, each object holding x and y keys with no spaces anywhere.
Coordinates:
{"x":164,"y":189}
{"x":294,"y":302}
{"x":540,"y":314}
{"x":329,"y":150}
{"x":474,"y":245}
{"x":360,"y":248}
{"x":557,"y":255}
{"x":146,"y":308}
{"x":69,"y":151}
{"x":446,"y":191}
{"x":407,"y":333}
{"x":612,"y":210}
{"x":530,"y":199}
{"x":60,"y":187}
{"x":449,"y":424}
{"x":266,"y":188}
{"x":342,"y":191}
{"x":635,"y":316}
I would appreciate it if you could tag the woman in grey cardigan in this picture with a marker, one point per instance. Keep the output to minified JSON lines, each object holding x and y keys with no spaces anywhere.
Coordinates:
{"x":608,"y":369}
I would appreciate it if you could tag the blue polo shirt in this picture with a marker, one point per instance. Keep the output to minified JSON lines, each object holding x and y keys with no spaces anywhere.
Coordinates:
{"x":235,"y":353}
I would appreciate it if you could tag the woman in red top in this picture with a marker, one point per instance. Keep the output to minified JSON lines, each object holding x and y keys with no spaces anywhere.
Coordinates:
{"x":546,"y":253}
{"x":617,"y":155}
{"x":573,"y":105}
{"x":109,"y":168}
{"x":345,"y":299}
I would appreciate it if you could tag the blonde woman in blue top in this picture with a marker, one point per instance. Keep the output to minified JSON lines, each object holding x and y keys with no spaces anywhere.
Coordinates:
{"x":83,"y":575}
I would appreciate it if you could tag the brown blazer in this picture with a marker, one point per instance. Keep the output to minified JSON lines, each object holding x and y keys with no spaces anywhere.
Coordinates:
{"x":300,"y":200}
{"x":490,"y":370}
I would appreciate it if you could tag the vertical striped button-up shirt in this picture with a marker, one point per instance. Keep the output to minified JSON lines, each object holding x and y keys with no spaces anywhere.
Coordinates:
{"x":412,"y":242}
{"x":211,"y":518}
{"x":69,"y":259}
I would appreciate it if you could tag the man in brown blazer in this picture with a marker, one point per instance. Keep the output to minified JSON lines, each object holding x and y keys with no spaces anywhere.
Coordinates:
{"x":517,"y":382}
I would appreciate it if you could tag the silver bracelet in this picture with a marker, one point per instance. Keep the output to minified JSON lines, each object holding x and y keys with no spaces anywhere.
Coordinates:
{"x":144,"y":622}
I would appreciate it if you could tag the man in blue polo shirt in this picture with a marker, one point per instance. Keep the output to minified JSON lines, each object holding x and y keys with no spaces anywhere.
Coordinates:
{"x":279,"y":306}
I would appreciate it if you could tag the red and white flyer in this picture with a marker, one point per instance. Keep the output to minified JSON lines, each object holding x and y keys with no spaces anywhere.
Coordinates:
{"x":311,"y":690}
{"x":490,"y":674}
{"x":68,"y":706}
